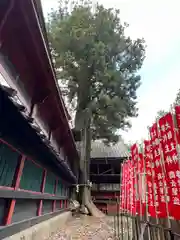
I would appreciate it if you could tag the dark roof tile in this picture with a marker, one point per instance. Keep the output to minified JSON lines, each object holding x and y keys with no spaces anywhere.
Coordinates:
{"x":101,"y":150}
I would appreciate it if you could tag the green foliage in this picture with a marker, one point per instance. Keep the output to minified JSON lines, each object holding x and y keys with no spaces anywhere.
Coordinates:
{"x":177,"y":99}
{"x":99,"y":64}
{"x":160,"y":114}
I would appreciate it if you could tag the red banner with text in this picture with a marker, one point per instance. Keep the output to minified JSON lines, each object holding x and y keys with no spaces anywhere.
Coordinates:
{"x":177,"y":127}
{"x":160,"y":180}
{"x":169,"y":147}
{"x":141,"y":184}
{"x":122,"y":190}
{"x":150,"y":180}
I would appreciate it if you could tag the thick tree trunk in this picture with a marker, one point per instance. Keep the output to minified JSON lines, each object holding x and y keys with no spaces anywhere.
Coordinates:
{"x":88,"y":203}
{"x":85,"y":192}
{"x":73,"y":193}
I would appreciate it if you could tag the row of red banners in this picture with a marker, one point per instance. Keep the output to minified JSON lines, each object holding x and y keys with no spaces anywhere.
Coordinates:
{"x":150,"y":181}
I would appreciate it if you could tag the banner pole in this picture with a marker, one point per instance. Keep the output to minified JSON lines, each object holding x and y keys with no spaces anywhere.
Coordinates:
{"x":153,"y":182}
{"x":176,"y":130}
{"x":114,"y":214}
{"x":146,"y":196}
{"x":163,"y":173}
{"x":172,"y":107}
{"x":134,"y":161}
{"x":121,"y":197}
{"x":128,"y":202}
{"x":138,"y":181}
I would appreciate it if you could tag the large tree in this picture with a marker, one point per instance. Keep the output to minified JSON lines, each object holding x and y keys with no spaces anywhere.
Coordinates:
{"x":99,"y":64}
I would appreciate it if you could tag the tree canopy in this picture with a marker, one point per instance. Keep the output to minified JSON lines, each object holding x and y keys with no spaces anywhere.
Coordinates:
{"x":99,"y":64}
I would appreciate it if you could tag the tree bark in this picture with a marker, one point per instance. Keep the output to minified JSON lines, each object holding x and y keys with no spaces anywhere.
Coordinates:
{"x":75,"y":168}
{"x":85,"y":192}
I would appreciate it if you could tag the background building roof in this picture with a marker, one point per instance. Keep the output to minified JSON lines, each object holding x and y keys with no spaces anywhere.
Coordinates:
{"x":101,"y":150}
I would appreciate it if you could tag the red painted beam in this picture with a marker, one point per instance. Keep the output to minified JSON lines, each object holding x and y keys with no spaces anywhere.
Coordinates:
{"x":9,"y":145}
{"x":39,"y":212}
{"x":8,"y":219}
{"x":19,"y":171}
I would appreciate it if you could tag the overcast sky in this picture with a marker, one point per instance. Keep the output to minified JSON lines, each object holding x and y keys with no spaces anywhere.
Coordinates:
{"x":158,"y":22}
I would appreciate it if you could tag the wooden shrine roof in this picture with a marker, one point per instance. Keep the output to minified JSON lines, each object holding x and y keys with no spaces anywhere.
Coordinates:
{"x":26,"y":65}
{"x":24,"y":45}
{"x":100,"y":150}
{"x":18,"y":129}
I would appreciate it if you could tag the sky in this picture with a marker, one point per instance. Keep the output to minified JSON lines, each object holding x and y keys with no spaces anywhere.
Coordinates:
{"x":158,"y":22}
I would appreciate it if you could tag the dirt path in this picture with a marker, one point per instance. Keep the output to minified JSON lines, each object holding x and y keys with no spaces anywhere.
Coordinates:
{"x":84,"y":228}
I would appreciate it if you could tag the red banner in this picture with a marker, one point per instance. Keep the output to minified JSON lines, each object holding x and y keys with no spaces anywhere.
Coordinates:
{"x":150,"y":180}
{"x":125,"y":185}
{"x":122,"y":193}
{"x":157,"y":171}
{"x":134,"y":191}
{"x":177,"y":111}
{"x":128,"y":191}
{"x":141,"y":184}
{"x":168,"y":142}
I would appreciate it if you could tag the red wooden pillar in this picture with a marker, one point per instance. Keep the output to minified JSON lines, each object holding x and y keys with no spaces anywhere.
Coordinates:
{"x":39,"y":212}
{"x":19,"y":171}
{"x":66,"y":203}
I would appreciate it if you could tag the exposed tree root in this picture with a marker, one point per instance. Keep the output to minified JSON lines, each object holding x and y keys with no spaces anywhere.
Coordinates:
{"x":87,"y":202}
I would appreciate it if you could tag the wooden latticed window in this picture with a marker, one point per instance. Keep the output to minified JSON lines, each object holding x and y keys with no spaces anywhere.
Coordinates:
{"x":50,"y":183}
{"x":65,"y":191}
{"x":47,"y":206}
{"x":27,"y":181}
{"x":24,"y":209}
{"x":62,"y":189}
{"x":59,"y":188}
{"x":8,"y":163}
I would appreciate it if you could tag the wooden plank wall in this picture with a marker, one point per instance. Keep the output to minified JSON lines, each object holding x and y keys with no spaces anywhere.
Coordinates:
{"x":27,"y":189}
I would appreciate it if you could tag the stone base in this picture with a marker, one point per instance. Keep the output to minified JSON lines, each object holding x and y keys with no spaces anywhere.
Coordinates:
{"x":44,"y":229}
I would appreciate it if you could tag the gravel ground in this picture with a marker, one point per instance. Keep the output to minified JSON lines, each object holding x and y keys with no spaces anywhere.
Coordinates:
{"x":86,"y":227}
